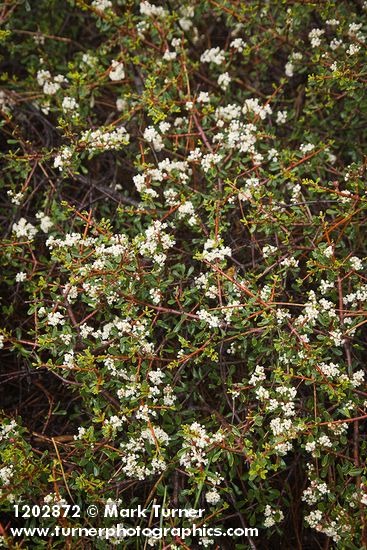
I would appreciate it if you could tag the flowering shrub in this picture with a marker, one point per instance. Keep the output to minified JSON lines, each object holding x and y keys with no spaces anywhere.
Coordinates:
{"x":184,"y":265}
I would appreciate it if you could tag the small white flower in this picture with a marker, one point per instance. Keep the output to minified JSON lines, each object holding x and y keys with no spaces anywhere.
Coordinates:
{"x":214,"y":55}
{"x":353,"y":49}
{"x":102,"y":5}
{"x":224,"y":80}
{"x":281,"y":117}
{"x":81,"y":433}
{"x":306,"y":147}
{"x":45,"y":221}
{"x":169,"y":56}
{"x":212,"y":496}
{"x":117,"y":71}
{"x":121,"y":104}
{"x":150,"y":10}
{"x":289,"y":69}
{"x":272,"y":516}
{"x":310,"y":446}
{"x":151,"y":135}
{"x":55,"y":319}
{"x":315,"y":37}
{"x":155,"y":295}
{"x":16,"y":198}
{"x":329,"y":251}
{"x":20,"y":277}
{"x":203,"y":97}
{"x":22,"y":228}
{"x":356,"y":263}
{"x":69,"y":104}
{"x":238,"y":44}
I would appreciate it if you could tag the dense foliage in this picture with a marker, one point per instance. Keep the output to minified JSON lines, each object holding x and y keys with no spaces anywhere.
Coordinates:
{"x":183,"y":318}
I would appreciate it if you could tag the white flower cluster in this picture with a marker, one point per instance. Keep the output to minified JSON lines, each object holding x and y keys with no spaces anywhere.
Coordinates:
{"x":117,"y":71}
{"x":137,"y":330}
{"x":203,"y":97}
{"x":289,"y":67}
{"x":257,"y":376}
{"x":114,"y":422}
{"x":187,"y":210}
{"x":324,"y":441}
{"x":213,"y":55}
{"x":262,"y":394}
{"x":212,"y":496}
{"x":6,"y":474}
{"x":155,"y":242}
{"x":50,"y":84}
{"x":150,"y":10}
{"x":331,"y":528}
{"x":155,"y":295}
{"x":353,"y":49}
{"x":55,"y":500}
{"x":102,"y":139}
{"x":330,"y":370}
{"x":265,"y":293}
{"x":282,"y":314}
{"x":282,"y":448}
{"x":306,"y":147}
{"x":22,"y":228}
{"x":69,"y":105}
{"x":289,"y":262}
{"x":253,"y":106}
{"x":154,"y":137}
{"x":269,"y":250}
{"x":325,"y":285}
{"x":336,"y":337}
{"x":55,"y":319}
{"x":315,"y":37}
{"x":280,"y":426}
{"x":251,"y":185}
{"x":185,"y":21}
{"x":360,"y":295}
{"x":212,"y":320}
{"x":314,"y":519}
{"x":63,"y":158}
{"x":238,"y":44}
{"x":281,"y":117}
{"x":121,"y":104}
{"x":272,"y":516}
{"x":8,"y":430}
{"x":224,"y":80}
{"x":16,"y":198}
{"x":133,"y":390}
{"x":69,"y":240}
{"x":328,"y":251}
{"x":356,"y":263}
{"x":209,"y":160}
{"x":135,"y":456}
{"x":20,"y":277}
{"x":5,"y":101}
{"x":102,"y":5}
{"x":239,"y":134}
{"x":202,"y":283}
{"x":214,"y":251}
{"x":81,"y":433}
{"x":310,"y":311}
{"x":166,"y":169}
{"x":196,"y":443}
{"x":284,"y":400}
{"x":315,"y":492}
{"x":45,"y":222}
